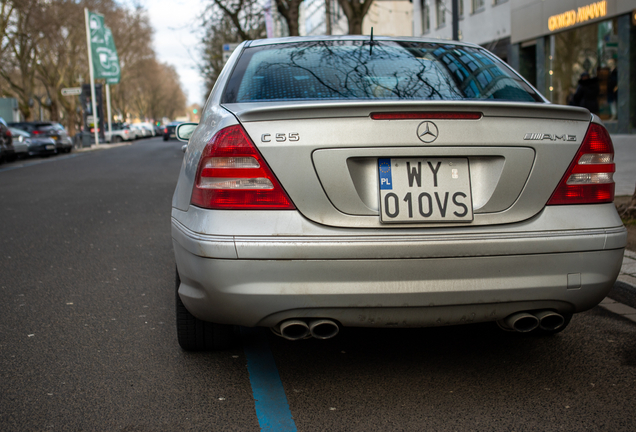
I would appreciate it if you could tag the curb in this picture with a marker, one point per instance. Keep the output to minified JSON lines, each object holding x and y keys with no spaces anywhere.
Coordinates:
{"x":103,"y":146}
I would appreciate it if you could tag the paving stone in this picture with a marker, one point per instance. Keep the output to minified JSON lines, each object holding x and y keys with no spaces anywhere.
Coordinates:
{"x":630,"y":280}
{"x":619,"y":308}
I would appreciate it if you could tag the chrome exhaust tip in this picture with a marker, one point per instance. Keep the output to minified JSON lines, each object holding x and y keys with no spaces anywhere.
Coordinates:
{"x":550,"y":320}
{"x":323,"y":328}
{"x":522,"y":322}
{"x":293,"y":329}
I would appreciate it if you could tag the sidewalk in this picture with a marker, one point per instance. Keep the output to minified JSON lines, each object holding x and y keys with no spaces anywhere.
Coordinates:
{"x":628,"y":269}
{"x":625,"y":158}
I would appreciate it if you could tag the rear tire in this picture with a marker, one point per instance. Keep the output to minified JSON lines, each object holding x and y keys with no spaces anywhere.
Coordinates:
{"x":116,"y":139}
{"x":197,"y":335}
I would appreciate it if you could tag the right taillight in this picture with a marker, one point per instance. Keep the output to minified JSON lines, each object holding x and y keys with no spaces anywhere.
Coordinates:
{"x":232,"y":174}
{"x":590,"y":177}
{"x":165,"y":130}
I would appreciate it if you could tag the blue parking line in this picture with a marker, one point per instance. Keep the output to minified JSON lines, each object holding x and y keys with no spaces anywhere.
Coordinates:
{"x":270,"y":400}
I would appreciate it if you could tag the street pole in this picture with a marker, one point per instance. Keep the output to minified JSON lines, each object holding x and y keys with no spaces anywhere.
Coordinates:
{"x":90,"y":68}
{"x":456,"y":20}
{"x":110,"y":123}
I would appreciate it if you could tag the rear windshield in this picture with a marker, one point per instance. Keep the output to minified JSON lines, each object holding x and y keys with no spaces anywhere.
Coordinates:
{"x":391,"y":70}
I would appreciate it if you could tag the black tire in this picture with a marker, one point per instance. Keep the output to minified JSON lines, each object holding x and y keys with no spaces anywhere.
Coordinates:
{"x":197,"y":335}
{"x":116,"y":139}
{"x":166,"y":138}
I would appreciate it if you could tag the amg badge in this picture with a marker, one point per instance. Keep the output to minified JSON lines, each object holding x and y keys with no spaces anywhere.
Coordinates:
{"x":555,"y":137}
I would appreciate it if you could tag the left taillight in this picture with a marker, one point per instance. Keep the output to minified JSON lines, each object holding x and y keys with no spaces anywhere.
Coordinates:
{"x":233,"y":175}
{"x":590,"y":177}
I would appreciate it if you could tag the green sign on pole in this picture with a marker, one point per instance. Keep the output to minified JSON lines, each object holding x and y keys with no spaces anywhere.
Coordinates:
{"x":105,"y":58}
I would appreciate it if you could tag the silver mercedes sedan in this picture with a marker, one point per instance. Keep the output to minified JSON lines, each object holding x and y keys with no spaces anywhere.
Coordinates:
{"x":387,"y":182}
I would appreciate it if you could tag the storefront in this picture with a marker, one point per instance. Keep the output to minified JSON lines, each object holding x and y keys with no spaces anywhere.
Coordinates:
{"x":580,"y":52}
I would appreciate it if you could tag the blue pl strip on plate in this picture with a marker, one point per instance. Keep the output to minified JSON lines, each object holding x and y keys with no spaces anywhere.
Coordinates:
{"x":384,"y":167}
{"x":272,"y":409}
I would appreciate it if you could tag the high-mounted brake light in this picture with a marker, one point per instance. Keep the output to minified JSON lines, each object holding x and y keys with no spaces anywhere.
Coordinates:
{"x":232,"y":174}
{"x":426,"y":116}
{"x":590,"y":177}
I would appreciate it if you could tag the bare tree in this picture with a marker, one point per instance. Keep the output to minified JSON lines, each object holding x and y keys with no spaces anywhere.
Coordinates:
{"x":355,"y":11}
{"x":245,"y":15}
{"x":19,"y":60}
{"x":218,"y":31}
{"x":289,"y":9}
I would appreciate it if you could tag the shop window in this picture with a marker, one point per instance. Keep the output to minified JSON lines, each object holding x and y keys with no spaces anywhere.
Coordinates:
{"x":440,"y":11}
{"x":478,"y":5}
{"x":583,"y":71}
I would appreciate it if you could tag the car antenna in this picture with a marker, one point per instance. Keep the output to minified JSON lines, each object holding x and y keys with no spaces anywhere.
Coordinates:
{"x":371,"y":43}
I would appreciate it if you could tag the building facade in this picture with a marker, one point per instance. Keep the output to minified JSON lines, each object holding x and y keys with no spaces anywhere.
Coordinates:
{"x":483,"y":22}
{"x":570,"y":48}
{"x":387,"y":17}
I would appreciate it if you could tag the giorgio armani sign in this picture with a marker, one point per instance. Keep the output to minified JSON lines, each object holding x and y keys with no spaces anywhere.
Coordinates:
{"x":534,"y":18}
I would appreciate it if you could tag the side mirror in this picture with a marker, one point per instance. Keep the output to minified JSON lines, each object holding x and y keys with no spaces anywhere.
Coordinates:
{"x":185,"y":130}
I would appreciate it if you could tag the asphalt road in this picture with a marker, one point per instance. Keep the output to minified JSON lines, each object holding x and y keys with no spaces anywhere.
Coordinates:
{"x":88,"y":342}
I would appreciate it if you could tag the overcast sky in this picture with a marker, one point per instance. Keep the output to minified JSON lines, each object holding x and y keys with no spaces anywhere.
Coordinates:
{"x":177,"y":35}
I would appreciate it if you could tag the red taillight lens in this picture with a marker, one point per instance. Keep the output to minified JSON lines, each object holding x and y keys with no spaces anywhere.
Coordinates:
{"x":36,"y":132}
{"x":590,"y":177}
{"x":9,"y":133}
{"x":165,"y":130}
{"x":232,"y":174}
{"x":427,"y":116}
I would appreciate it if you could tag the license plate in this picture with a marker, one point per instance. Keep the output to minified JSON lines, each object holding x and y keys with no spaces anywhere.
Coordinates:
{"x":49,"y":146}
{"x":425,"y":190}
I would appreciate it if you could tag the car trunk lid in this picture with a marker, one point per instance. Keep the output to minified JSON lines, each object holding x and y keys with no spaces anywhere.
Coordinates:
{"x":327,"y":155}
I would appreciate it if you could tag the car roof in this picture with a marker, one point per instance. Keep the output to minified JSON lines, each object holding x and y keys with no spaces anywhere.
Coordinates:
{"x":297,"y":39}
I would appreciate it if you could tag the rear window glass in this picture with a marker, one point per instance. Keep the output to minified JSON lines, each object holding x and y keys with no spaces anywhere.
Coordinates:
{"x":391,"y":70}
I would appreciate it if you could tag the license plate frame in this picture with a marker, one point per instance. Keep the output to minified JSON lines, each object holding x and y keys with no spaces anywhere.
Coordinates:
{"x":425,"y":190}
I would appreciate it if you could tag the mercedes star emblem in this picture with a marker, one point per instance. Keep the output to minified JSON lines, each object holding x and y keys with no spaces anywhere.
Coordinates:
{"x":427,"y":132}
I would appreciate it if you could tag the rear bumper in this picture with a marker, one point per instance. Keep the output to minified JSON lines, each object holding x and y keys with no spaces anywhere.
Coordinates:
{"x":422,"y":279}
{"x":401,"y":293}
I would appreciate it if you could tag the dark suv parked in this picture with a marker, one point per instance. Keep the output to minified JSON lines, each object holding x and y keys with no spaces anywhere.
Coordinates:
{"x":63,"y":143}
{"x":169,"y":130}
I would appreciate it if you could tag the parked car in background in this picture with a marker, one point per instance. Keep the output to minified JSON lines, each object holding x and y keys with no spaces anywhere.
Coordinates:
{"x":54,"y":130}
{"x":120,"y":132}
{"x":7,"y":152}
{"x":397,"y":182}
{"x":149,"y":127}
{"x":168,"y":130}
{"x":35,"y":145}
{"x":140,"y":132}
{"x":20,"y":147}
{"x":135,"y":129}
{"x":158,"y":129}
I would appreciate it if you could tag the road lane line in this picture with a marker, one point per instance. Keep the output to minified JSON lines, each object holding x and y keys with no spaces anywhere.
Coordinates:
{"x":270,"y":400}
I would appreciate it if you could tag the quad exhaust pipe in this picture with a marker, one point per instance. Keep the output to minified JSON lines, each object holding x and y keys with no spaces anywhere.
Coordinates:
{"x":296,"y":329}
{"x":524,"y":322}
